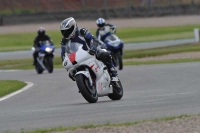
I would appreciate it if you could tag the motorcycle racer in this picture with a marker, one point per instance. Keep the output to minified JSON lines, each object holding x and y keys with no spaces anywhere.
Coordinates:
{"x":40,"y":37}
{"x":104,"y":30}
{"x":72,"y":34}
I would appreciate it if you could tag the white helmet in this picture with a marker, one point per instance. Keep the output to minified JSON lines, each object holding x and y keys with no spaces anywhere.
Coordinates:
{"x":68,"y":27}
{"x":100,"y":22}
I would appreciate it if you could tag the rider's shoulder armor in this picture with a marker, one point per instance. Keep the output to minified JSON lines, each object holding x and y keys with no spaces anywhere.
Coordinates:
{"x":83,"y":32}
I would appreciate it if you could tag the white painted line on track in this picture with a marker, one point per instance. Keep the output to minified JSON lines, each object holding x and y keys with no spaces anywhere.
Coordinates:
{"x":29,"y":84}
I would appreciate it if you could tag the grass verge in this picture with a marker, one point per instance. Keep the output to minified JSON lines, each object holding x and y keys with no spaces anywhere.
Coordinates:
{"x":128,"y":54}
{"x":9,"y":86}
{"x":26,"y":63}
{"x":161,"y":51}
{"x":160,"y":62}
{"x":24,"y":41}
{"x":89,"y":126}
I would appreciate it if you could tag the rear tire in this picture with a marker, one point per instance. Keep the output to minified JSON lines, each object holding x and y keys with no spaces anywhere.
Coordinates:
{"x":119,"y":61}
{"x":117,"y":90}
{"x":87,"y":91}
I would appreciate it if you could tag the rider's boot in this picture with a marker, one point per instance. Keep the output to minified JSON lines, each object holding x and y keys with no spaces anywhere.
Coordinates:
{"x":112,"y":71}
{"x":113,"y":74}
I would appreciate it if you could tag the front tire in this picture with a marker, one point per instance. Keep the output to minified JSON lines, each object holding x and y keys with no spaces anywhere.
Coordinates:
{"x":87,"y":91}
{"x":38,"y":68}
{"x":49,"y":64}
{"x":117,"y":90}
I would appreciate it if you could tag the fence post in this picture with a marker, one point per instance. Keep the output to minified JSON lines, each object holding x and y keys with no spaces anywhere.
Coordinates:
{"x":196,"y":34}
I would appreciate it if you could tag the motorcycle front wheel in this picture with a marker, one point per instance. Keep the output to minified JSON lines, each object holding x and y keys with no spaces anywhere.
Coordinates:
{"x":38,"y":68}
{"x":49,"y":64}
{"x":87,"y":91}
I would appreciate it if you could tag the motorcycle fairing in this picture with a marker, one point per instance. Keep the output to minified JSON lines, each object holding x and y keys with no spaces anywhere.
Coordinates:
{"x":72,"y":58}
{"x":40,"y":60}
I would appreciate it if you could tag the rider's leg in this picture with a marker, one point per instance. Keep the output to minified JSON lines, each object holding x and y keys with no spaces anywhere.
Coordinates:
{"x":34,"y":57}
{"x":106,"y":58}
{"x":111,"y":68}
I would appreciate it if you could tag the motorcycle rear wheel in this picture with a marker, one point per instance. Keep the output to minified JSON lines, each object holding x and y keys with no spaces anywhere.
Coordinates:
{"x":117,"y":90}
{"x":87,"y":91}
{"x":119,"y":61}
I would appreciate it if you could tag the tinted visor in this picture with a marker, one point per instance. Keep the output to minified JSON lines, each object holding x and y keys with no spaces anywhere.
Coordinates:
{"x":66,"y":33}
{"x":41,"y":33}
{"x":100,"y":25}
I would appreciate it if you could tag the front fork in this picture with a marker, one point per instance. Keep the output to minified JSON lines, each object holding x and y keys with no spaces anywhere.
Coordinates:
{"x":87,"y":74}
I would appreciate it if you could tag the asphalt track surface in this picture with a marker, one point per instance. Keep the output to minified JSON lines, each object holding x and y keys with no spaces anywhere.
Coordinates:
{"x":28,"y":53}
{"x":150,"y":91}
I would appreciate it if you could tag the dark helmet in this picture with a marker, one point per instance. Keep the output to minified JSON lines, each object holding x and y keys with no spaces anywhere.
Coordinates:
{"x":68,"y":27}
{"x":41,"y":31}
{"x":100,"y":22}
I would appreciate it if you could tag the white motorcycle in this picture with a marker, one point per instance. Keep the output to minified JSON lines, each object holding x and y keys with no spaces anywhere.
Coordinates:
{"x":91,"y":75}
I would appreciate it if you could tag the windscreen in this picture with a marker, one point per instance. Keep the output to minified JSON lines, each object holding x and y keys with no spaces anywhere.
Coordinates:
{"x":72,"y":47}
{"x":46,"y":43}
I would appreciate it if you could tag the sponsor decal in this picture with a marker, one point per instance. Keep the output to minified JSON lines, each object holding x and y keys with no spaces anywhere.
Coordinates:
{"x":96,"y":68}
{"x":72,"y":58}
{"x":100,"y":87}
{"x":91,"y":66}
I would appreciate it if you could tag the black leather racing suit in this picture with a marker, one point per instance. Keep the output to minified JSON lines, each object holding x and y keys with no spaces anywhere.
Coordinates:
{"x":36,"y":44}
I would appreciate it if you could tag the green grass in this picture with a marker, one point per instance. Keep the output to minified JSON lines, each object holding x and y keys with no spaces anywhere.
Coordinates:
{"x":128,"y":54}
{"x":171,"y":36}
{"x":89,"y":126}
{"x":161,"y":51}
{"x":25,"y":64}
{"x":127,"y":33}
{"x":22,"y":41}
{"x":160,"y":61}
{"x":9,"y":86}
